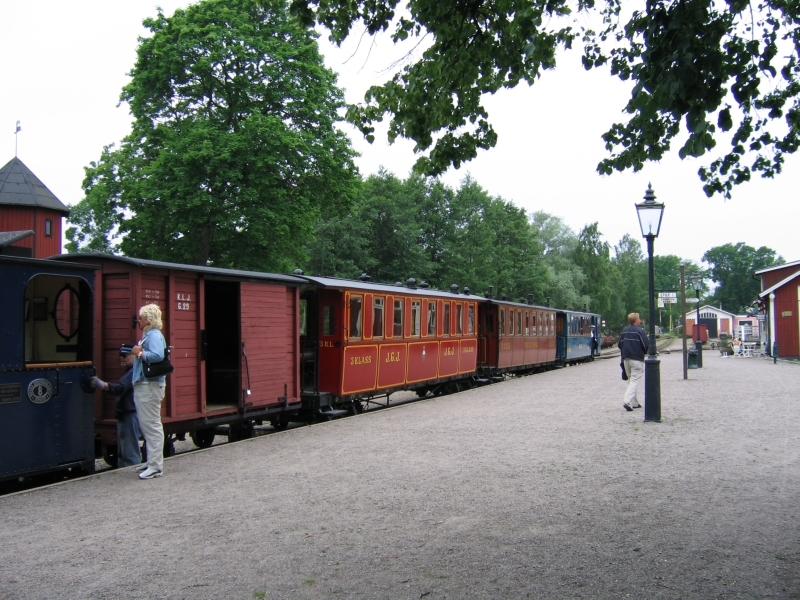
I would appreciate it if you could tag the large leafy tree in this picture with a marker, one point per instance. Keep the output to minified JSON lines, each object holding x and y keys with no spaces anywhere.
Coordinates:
{"x":419,"y":227}
{"x":732,"y":268}
{"x":603,"y":279}
{"x":715,"y":69}
{"x":565,"y":280}
{"x":389,"y":232}
{"x":632,"y":266}
{"x":492,"y":244}
{"x":233,"y":150}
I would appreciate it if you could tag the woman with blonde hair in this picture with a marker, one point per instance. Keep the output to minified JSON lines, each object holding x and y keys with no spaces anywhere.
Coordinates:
{"x":149,"y":393}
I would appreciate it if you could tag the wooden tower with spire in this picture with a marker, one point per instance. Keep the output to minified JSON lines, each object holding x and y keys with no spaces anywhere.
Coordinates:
{"x":30,"y":214}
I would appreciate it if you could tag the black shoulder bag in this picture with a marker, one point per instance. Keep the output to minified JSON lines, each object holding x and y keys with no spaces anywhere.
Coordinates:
{"x":157,"y":369}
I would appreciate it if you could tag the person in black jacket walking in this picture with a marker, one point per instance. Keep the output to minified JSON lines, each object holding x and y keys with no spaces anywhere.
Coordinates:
{"x":633,"y":345}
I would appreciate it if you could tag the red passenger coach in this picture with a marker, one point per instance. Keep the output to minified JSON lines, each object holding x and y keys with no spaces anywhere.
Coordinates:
{"x":516,"y":337}
{"x":234,"y":338}
{"x":360,"y":339}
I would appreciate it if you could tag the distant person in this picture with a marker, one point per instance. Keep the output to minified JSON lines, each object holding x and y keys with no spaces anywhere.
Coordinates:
{"x":633,"y":345}
{"x":128,"y":432}
{"x":149,"y":393}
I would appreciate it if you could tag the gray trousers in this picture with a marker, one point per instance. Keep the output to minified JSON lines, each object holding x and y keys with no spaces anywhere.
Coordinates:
{"x":147,"y":396}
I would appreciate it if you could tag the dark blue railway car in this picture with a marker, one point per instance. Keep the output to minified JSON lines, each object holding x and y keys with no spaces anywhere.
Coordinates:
{"x":577,"y":333}
{"x":46,"y":406}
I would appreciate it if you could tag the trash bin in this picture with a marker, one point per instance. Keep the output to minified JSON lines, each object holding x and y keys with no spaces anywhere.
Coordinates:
{"x":692,"y":356}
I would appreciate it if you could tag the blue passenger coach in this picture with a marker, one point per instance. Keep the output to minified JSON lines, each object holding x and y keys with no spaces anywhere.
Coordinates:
{"x":46,"y":405}
{"x":577,"y":333}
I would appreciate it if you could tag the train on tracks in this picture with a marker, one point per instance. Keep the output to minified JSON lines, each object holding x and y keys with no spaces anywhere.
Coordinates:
{"x":248,"y":348}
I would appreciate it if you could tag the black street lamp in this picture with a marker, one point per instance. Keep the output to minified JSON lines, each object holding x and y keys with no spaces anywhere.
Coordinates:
{"x":696,"y":281}
{"x":650,"y":213}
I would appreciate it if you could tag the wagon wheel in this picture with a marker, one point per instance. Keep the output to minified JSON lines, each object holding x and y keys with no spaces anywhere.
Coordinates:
{"x":279,"y":424}
{"x":240,"y":431}
{"x":110,"y":455}
{"x":203,"y":438}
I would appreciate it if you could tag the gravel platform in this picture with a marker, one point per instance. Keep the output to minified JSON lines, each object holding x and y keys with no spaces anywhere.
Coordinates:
{"x":539,"y":487}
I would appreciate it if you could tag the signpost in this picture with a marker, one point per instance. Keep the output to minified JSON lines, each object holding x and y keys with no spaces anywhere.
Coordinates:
{"x":667,"y":298}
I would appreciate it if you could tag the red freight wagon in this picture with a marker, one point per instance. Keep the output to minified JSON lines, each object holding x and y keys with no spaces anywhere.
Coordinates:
{"x":233,"y":335}
{"x":362,"y":338}
{"x":515,"y":335}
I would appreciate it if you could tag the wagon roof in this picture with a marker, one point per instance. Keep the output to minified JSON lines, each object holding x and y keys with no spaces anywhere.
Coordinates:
{"x":387,"y":288}
{"x":11,"y":237}
{"x":143,"y":262}
{"x":521,"y":304}
{"x":46,"y":263}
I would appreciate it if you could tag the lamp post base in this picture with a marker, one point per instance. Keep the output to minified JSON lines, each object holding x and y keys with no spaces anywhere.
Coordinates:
{"x":699,"y":347}
{"x":652,"y":388}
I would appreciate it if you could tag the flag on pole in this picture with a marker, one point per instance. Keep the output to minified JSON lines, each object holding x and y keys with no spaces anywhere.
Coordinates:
{"x":19,"y":127}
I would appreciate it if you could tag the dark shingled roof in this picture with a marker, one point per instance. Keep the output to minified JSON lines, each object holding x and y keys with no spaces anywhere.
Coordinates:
{"x":10,"y":237}
{"x":20,"y":187}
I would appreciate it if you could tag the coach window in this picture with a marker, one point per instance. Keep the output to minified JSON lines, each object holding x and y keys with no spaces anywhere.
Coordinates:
{"x":431,"y":318}
{"x":328,"y":320}
{"x":415,"y":317}
{"x":446,"y":317}
{"x":511,"y":321}
{"x":527,"y":323}
{"x":533,"y":324}
{"x":519,"y":322}
{"x":503,"y":321}
{"x":377,"y":317}
{"x":471,"y":319}
{"x":303,"y":316}
{"x":459,"y":319}
{"x":398,"y":318}
{"x":355,"y":316}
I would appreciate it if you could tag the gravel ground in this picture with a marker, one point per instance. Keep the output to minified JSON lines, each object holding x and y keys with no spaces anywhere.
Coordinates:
{"x":541,"y":487}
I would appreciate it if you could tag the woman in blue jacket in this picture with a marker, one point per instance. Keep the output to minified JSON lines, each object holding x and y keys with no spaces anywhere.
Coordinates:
{"x":149,"y":393}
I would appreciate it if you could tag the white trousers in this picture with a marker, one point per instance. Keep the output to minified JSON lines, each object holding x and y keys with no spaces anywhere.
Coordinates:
{"x":147,"y":396}
{"x":635,"y":371}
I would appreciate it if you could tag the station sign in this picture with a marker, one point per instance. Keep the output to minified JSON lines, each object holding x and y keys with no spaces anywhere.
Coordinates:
{"x":666,"y":295}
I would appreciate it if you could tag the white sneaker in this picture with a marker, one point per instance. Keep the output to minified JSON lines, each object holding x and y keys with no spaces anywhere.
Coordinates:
{"x":141,"y":468}
{"x":149,"y":474}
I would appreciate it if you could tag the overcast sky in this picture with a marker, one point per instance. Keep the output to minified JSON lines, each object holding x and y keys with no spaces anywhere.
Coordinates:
{"x":64,"y":64}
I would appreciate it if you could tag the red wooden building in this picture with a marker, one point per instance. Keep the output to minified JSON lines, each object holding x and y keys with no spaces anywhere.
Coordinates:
{"x":233,"y":335}
{"x":30,"y":214}
{"x":780,"y":302}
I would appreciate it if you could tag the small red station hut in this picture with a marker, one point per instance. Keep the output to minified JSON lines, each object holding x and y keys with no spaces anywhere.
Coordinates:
{"x":30,"y":214}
